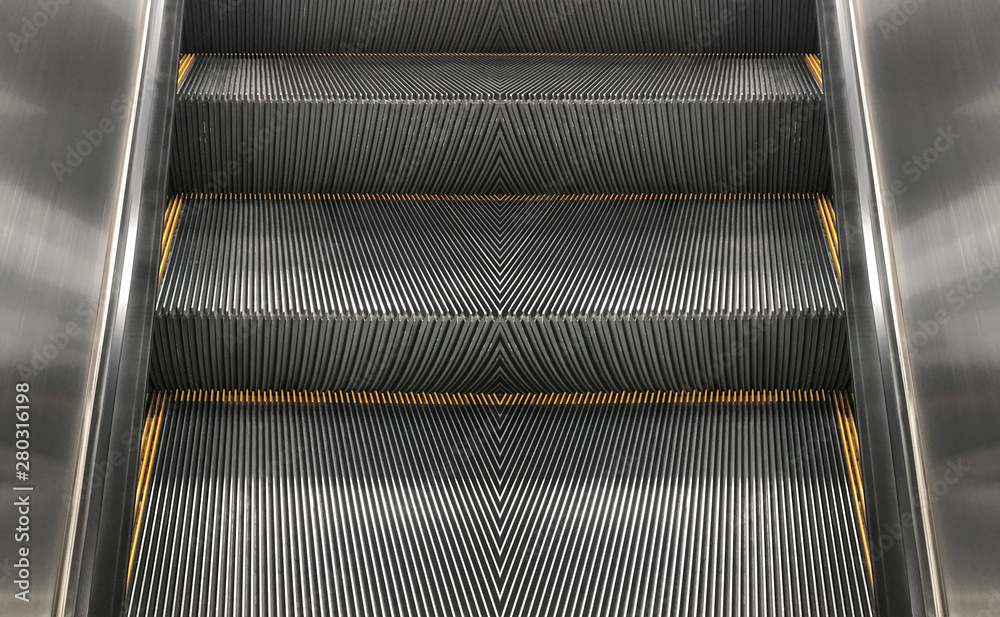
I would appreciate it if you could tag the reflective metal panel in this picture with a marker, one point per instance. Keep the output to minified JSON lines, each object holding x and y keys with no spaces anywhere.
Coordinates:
{"x":68,"y":71}
{"x":930,"y":72}
{"x":901,"y":577}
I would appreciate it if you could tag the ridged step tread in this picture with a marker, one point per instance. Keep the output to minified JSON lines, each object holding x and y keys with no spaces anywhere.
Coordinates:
{"x":500,"y":124}
{"x":460,"y":294}
{"x":711,"y":508}
{"x":499,"y":26}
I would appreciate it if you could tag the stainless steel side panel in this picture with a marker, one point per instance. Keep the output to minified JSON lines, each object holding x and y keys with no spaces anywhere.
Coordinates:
{"x":68,"y":74}
{"x":930,"y":73}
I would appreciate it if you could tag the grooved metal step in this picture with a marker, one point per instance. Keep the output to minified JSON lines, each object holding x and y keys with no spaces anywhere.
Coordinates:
{"x":500,"y":124}
{"x":460,"y":294}
{"x":497,"y":26}
{"x":738,"y":505}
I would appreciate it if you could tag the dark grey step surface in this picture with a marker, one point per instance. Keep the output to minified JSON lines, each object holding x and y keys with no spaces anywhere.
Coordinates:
{"x":500,"y":124}
{"x":477,"y":509}
{"x":500,"y":294}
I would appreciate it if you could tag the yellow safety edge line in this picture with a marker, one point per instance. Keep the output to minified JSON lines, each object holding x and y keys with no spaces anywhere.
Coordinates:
{"x":405,"y":197}
{"x":852,"y":456}
{"x":555,"y":53}
{"x":170,"y":220}
{"x":182,"y":70}
{"x":829,"y":220}
{"x":147,"y":435}
{"x":152,"y":437}
{"x":553,"y":398}
{"x":813,"y":61}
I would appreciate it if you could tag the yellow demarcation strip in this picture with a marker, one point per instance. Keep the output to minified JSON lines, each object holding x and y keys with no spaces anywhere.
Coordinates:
{"x":285,"y":396}
{"x":279,"y":54}
{"x":813,"y":61}
{"x":147,"y":433}
{"x":394,"y":197}
{"x":629,"y":398}
{"x":186,"y":61}
{"x":151,"y":438}
{"x":852,"y":456}
{"x":552,"y":398}
{"x":170,"y":220}
{"x":829,"y":219}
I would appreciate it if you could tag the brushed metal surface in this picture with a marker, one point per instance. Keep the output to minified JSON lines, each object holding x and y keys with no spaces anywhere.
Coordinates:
{"x":930,"y":72}
{"x":68,"y":72}
{"x":901,"y":577}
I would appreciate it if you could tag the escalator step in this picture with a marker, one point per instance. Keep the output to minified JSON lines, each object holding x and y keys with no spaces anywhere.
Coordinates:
{"x":560,"y":26}
{"x":500,"y":124}
{"x":493,"y":294}
{"x":450,"y":506}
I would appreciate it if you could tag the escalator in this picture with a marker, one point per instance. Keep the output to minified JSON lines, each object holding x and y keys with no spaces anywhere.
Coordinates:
{"x":500,"y":308}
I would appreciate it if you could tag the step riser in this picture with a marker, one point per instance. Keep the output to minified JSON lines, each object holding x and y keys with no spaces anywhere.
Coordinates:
{"x":492,"y":26}
{"x":517,"y":355}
